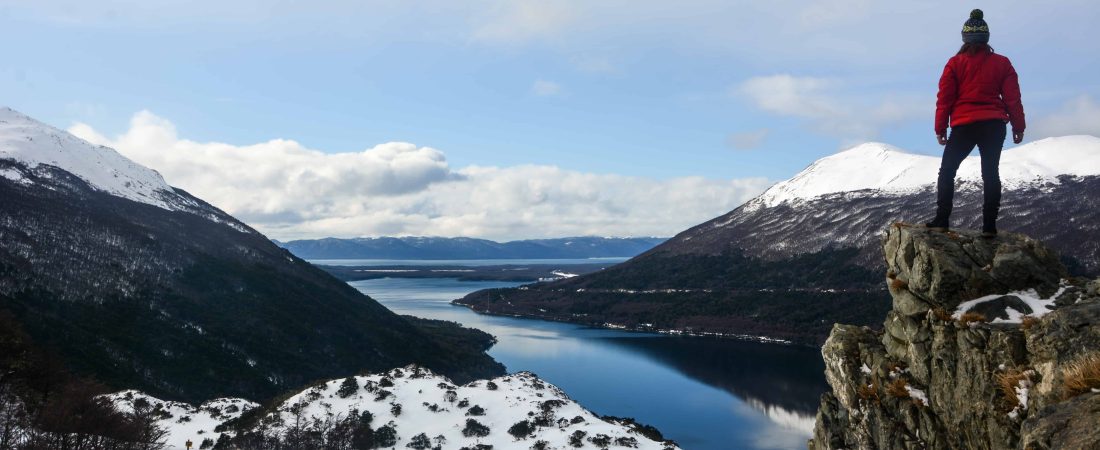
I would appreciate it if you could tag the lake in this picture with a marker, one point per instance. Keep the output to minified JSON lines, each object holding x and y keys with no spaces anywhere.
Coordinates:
{"x":707,"y":394}
{"x":464,"y":262}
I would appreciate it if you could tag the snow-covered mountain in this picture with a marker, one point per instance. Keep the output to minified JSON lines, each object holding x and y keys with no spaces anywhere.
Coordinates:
{"x":33,"y":143}
{"x":33,"y":149}
{"x":842,"y":200}
{"x":888,"y":169}
{"x":141,"y":285}
{"x":804,"y":254}
{"x":409,"y":407}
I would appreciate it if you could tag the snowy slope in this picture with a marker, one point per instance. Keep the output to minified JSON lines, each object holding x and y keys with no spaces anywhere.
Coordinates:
{"x":429,"y":405}
{"x":883,"y":167}
{"x":184,"y":421}
{"x":34,"y":144}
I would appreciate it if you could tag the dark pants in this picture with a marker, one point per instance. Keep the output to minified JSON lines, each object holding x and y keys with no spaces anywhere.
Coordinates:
{"x":989,"y":136}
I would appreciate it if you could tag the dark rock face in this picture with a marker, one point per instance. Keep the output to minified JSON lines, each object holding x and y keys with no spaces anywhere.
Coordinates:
{"x":998,"y":308}
{"x":1066,"y":425}
{"x":930,"y":380}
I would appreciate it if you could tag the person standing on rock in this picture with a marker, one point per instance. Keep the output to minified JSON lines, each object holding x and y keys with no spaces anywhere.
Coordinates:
{"x":979,"y":93}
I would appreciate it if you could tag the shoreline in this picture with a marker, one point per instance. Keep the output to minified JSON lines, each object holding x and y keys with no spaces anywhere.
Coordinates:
{"x":650,"y":330}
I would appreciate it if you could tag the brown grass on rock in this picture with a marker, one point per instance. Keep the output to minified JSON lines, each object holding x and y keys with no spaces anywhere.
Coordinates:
{"x":897,"y":388}
{"x":1008,"y":381}
{"x":1082,"y":375}
{"x":941,"y":314}
{"x":971,"y":317}
{"x":1026,"y":322}
{"x":869,"y":392}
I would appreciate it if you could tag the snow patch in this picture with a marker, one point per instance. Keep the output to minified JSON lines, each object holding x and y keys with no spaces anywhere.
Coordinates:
{"x":917,"y":395}
{"x":1039,"y":306}
{"x":14,"y":175}
{"x":1023,"y":392}
{"x":184,"y":421}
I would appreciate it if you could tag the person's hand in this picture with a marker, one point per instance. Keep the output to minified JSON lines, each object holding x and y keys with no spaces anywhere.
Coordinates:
{"x":942,"y":139}
{"x":1017,"y":137}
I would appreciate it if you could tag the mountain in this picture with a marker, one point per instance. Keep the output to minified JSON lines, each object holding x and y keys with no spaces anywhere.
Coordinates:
{"x":144,"y":286}
{"x":803,"y":255}
{"x":468,"y":248}
{"x":406,"y":407}
{"x":988,"y":345}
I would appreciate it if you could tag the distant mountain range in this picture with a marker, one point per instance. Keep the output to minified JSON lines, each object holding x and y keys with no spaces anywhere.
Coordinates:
{"x":803,"y":255}
{"x":142,"y":285}
{"x":469,"y":248}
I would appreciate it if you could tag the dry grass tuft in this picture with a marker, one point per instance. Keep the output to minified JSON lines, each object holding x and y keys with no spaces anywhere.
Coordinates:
{"x":898,"y":284}
{"x":971,"y":317}
{"x":941,"y":314}
{"x":1026,"y":322}
{"x":895,"y":367}
{"x":1082,"y":375}
{"x":869,"y":392}
{"x":1008,"y":381}
{"x":891,"y":275}
{"x":897,"y":388}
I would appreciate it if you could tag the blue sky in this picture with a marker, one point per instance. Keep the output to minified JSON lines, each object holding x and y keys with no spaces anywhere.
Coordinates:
{"x":642,"y":90}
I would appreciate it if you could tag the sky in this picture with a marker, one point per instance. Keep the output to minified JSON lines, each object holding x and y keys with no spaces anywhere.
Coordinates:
{"x":514,"y":119}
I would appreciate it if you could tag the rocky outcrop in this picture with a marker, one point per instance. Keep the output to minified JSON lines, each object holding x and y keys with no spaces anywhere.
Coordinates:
{"x":988,"y":345}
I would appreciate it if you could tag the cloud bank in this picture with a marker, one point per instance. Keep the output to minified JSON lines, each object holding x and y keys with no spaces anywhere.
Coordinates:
{"x":1078,"y":116}
{"x":825,"y":105}
{"x":289,"y":191}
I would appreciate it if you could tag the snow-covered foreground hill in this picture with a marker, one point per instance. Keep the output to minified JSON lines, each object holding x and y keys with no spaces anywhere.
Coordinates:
{"x":409,"y":407}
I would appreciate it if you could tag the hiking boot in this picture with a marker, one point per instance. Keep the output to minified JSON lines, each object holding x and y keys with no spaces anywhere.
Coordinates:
{"x":989,"y":233}
{"x":936,"y":225}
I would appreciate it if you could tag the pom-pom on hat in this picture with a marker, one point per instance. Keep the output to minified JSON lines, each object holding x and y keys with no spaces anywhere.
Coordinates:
{"x":975,"y":30}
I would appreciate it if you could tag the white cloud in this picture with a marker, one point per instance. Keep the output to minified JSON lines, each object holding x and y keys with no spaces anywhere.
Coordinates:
{"x":1078,"y":116}
{"x":824,"y":104}
{"x":747,"y":140}
{"x":289,"y":191}
{"x":791,"y":96}
{"x":545,"y":88}
{"x":519,"y":21}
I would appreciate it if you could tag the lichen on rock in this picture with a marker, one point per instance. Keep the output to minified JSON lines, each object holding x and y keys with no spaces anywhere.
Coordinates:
{"x":968,"y":313}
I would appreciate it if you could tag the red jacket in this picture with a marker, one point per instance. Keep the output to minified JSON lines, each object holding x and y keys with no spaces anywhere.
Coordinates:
{"x":978,"y":87}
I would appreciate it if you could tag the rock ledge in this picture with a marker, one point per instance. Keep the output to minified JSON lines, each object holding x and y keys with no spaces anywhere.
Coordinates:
{"x":974,"y":354}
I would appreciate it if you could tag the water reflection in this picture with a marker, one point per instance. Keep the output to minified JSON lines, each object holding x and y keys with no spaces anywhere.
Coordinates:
{"x":704,"y":393}
{"x":783,"y":378}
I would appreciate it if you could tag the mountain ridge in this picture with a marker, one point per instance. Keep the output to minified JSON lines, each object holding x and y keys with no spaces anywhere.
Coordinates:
{"x":879,"y":166}
{"x":719,"y":277}
{"x":168,"y":294}
{"x":420,"y":247}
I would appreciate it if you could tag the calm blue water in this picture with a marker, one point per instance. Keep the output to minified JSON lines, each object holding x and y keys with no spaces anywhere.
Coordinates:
{"x":463,"y":262}
{"x":707,"y":394}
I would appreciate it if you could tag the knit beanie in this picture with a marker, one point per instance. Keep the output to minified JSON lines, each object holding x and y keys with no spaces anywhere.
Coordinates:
{"x":975,"y":30}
